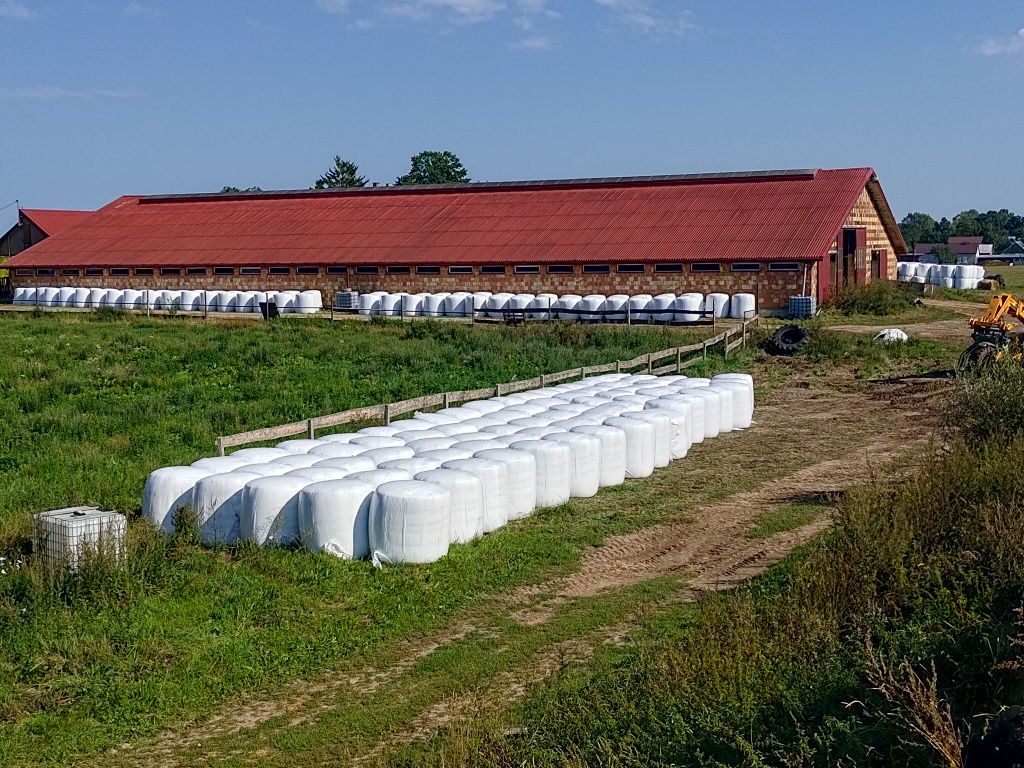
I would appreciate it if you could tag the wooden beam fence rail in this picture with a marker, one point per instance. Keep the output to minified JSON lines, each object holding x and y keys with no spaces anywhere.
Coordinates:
{"x":388,"y":411}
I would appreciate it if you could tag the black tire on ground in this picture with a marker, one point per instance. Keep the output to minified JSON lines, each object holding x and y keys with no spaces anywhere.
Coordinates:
{"x":787,"y":340}
{"x":976,"y":357}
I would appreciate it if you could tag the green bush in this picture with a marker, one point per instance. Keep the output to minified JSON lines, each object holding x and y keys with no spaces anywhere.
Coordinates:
{"x":988,"y":406}
{"x":879,"y":297}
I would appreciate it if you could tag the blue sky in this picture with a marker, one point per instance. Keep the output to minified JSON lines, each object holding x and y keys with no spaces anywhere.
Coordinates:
{"x":102,"y":98}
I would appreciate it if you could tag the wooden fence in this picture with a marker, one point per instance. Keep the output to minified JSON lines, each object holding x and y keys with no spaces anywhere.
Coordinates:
{"x":730,"y":339}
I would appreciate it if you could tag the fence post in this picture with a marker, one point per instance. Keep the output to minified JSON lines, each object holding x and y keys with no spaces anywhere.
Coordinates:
{"x":648,"y":362}
{"x":744,"y":334}
{"x":446,"y":400}
{"x":220,"y":446}
{"x":543,"y":379}
{"x":310,"y":429}
{"x":679,"y":359}
{"x":583,"y":373}
{"x":618,"y":366}
{"x":387,"y":414}
{"x":725,"y":346}
{"x":704,"y":349}
{"x":629,"y":314}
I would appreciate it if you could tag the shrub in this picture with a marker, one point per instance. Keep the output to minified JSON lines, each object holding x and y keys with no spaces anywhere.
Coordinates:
{"x":987,"y":406}
{"x":879,"y":297}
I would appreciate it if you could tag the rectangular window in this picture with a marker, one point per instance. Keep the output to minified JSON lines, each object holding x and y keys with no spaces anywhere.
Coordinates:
{"x":69,"y":272}
{"x":280,"y":270}
{"x":24,"y":272}
{"x":337,"y":270}
{"x":460,"y":270}
{"x":118,"y":271}
{"x":629,"y":268}
{"x":398,"y":270}
{"x":596,"y":269}
{"x":745,"y":266}
{"x":784,"y":266}
{"x":143,"y":271}
{"x":492,"y":269}
{"x":195,"y":271}
{"x":250,"y":271}
{"x":223,"y":270}
{"x":165,"y":271}
{"x":44,"y":272}
{"x":527,"y":269}
{"x":706,"y":266}
{"x":561,"y":269}
{"x":94,"y":272}
{"x":428,"y":270}
{"x":367,"y":270}
{"x":308,"y":270}
{"x":668,"y":267}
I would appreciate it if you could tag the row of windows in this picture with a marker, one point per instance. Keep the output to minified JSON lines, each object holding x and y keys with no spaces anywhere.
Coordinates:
{"x":486,"y":269}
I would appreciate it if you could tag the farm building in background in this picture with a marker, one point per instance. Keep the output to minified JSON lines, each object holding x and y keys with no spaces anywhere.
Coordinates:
{"x":35,"y":225}
{"x":772,"y":233}
{"x":968,"y":250}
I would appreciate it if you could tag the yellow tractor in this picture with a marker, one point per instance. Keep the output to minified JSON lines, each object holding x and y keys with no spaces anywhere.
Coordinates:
{"x":992,"y":340}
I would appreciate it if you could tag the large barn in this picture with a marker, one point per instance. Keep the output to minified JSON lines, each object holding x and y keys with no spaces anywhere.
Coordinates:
{"x":771,"y":233}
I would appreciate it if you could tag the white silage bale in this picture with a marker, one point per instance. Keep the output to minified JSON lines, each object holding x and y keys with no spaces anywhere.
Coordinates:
{"x":717,"y":304}
{"x":499,"y":430}
{"x":684,"y":424}
{"x":379,"y":455}
{"x":693,"y":410}
{"x":592,"y":307}
{"x":540,"y":307}
{"x":386,"y":431}
{"x":419,"y":433}
{"x":466,"y":520}
{"x":167,"y":490}
{"x":742,"y":305}
{"x":269,"y":512}
{"x":571,"y":409}
{"x":479,"y":444}
{"x":494,"y":476}
{"x":586,"y":461}
{"x":391,"y":304}
{"x":662,"y":308}
{"x":539,"y":432}
{"x":640,"y":445}
{"x":413,"y":466}
{"x":349,"y":464}
{"x":296,"y":460}
{"x":95,"y":297}
{"x":520,"y":302}
{"x":553,"y":470}
{"x":688,"y":307}
{"x":497,"y":303}
{"x":377,"y":441}
{"x":638,"y":307}
{"x":458,"y":304}
{"x":377,"y":477}
{"x":435,"y":418}
{"x":412,"y":304}
{"x":479,"y":299}
{"x":745,"y":384}
{"x":530,"y":421}
{"x":218,"y":464}
{"x":409,"y":522}
{"x":299,"y":446}
{"x":741,"y":410}
{"x":338,"y":450}
{"x":566,"y":306}
{"x":613,"y":451}
{"x":452,"y":430}
{"x":482,"y":407}
{"x":307,"y":302}
{"x":266,"y":469}
{"x":66,"y":297}
{"x":615,"y":308}
{"x":670,"y":428}
{"x":369,"y":303}
{"x":334,"y":517}
{"x":217,"y":502}
{"x":111,"y":297}
{"x":340,"y":437}
{"x":446,"y":454}
{"x":317,"y":474}
{"x":431,"y":444}
{"x":192,"y":301}
{"x":81,"y":299}
{"x":522,"y":479}
{"x":259,"y":454}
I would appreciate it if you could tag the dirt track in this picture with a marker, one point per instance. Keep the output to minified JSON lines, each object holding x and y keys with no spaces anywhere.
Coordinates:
{"x":853,"y":434}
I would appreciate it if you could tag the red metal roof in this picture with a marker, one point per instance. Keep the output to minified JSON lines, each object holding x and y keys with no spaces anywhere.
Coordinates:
{"x":53,"y":221}
{"x":756,"y":216}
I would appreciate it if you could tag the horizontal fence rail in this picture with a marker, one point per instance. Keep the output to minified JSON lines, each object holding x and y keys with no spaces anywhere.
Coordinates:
{"x":387,"y":412}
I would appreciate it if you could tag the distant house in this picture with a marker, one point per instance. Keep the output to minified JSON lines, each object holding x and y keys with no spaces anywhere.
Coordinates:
{"x":968,"y":250}
{"x":1012,"y":254}
{"x":35,"y":225}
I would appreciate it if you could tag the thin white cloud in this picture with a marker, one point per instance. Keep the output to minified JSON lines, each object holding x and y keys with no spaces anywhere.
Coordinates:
{"x":465,"y":11}
{"x":49,"y":93}
{"x":534,"y":43}
{"x":138,"y":9}
{"x":11,"y":9}
{"x":1005,"y":46}
{"x":333,"y":6}
{"x":644,"y":16}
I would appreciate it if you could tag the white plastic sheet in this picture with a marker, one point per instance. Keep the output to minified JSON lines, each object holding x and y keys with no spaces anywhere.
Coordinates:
{"x":466,"y":520}
{"x":334,"y":517}
{"x":410,"y":522}
{"x":586,"y":461}
{"x":168,"y":490}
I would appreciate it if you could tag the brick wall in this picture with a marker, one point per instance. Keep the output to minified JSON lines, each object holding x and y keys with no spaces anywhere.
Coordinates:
{"x":864,"y":214}
{"x":773,"y":289}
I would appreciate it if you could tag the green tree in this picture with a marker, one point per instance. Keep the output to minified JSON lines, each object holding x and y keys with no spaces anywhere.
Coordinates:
{"x":435,"y":168}
{"x":239,"y":189}
{"x":967,"y":224}
{"x":341,"y":175}
{"x":919,"y":228}
{"x":945,"y":254}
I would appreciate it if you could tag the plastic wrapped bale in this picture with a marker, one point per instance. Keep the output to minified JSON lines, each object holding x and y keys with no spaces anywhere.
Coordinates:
{"x":24,"y":296}
{"x":217,"y":502}
{"x":522,"y":410}
{"x":743,"y":400}
{"x":638,"y":308}
{"x":613,"y":451}
{"x":350,"y":464}
{"x":435,"y":419}
{"x":519,"y":303}
{"x":391,"y":304}
{"x":297,"y":460}
{"x":726,"y":409}
{"x":309,"y":302}
{"x":111,"y":298}
{"x":522,"y":479}
{"x":482,"y":407}
{"x":378,"y":477}
{"x":66,"y":297}
{"x":80,"y":299}
{"x":565,"y":308}
{"x":569,"y":409}
{"x":334,"y":517}
{"x":299,"y":446}
{"x":499,"y":430}
{"x":415,"y":435}
{"x":662,"y":306}
{"x":552,"y":468}
{"x":640,"y":445}
{"x":456,"y":429}
{"x":712,"y":406}
{"x":536,"y":433}
{"x":540,"y":307}
{"x":717,"y":304}
{"x":318,"y":474}
{"x":259,"y":454}
{"x":412,"y":304}
{"x":455,"y":304}
{"x":691,"y":410}
{"x":192,"y":301}
{"x":494,"y":476}
{"x":742,"y":306}
{"x":592,"y":308}
{"x":479,"y":299}
{"x":446,"y":454}
{"x":467,"y":502}
{"x":672,"y":433}
{"x":477,"y":445}
{"x":369,"y":303}
{"x":266,"y":469}
{"x":377,"y":441}
{"x":168,"y":490}
{"x":688,"y":308}
{"x":409,"y":522}
{"x":431,"y":444}
{"x":615,"y":308}
{"x":387,"y":431}
{"x":338,"y":450}
{"x":413,"y":466}
{"x":218,"y":464}
{"x":270,"y":509}
{"x":379,"y":455}
{"x":340,"y":437}
{"x":585,"y":468}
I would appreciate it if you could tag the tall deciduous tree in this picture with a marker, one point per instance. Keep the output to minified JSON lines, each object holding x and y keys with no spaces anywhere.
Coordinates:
{"x":342,"y":174}
{"x":945,"y":254}
{"x":435,"y":168}
{"x":919,"y":228}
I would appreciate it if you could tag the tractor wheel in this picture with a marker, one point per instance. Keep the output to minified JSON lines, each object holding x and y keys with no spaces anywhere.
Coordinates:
{"x":977,"y":357}
{"x":787,"y":340}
